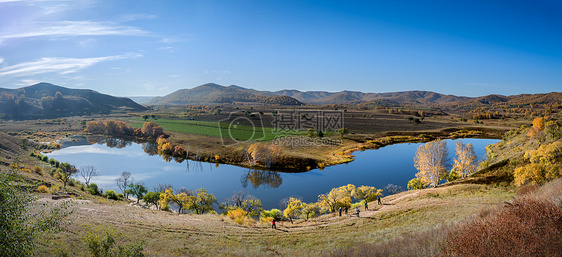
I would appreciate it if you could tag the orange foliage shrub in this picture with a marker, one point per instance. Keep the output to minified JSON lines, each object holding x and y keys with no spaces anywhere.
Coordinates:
{"x":528,"y":227}
{"x":537,"y":128}
{"x":179,"y":151}
{"x":42,"y":189}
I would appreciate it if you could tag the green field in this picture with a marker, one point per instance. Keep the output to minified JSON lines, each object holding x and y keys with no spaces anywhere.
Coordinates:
{"x":216,"y":129}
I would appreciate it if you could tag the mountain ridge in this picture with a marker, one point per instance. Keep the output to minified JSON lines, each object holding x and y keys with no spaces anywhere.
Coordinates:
{"x":45,"y":100}
{"x":213,"y":93}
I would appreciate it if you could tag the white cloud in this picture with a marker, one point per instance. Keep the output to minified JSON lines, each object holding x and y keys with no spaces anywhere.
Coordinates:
{"x":95,"y":149}
{"x":49,"y":7}
{"x":31,"y":1}
{"x":134,"y":17}
{"x":28,"y":82}
{"x":1,"y":60}
{"x":60,"y":65}
{"x":76,"y":28}
{"x":166,"y":48}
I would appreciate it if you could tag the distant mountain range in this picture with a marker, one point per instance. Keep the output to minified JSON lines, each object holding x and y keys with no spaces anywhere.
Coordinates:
{"x":46,"y":100}
{"x":216,"y":94}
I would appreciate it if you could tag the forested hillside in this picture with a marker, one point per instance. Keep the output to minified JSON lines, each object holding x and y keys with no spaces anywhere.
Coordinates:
{"x":212,"y":93}
{"x":45,"y":100}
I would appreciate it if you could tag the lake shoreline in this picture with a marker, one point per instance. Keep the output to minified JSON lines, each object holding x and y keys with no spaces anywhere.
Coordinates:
{"x":392,"y":164}
{"x":297,"y":159}
{"x":293,"y":160}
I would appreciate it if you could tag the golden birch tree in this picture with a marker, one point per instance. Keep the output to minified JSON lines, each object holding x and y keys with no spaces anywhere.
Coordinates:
{"x":465,"y":161}
{"x":431,"y":161}
{"x":337,"y":197}
{"x":367,"y":193}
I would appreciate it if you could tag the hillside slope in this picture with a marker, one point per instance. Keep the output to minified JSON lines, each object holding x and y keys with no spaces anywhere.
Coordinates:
{"x":512,"y":100}
{"x":46,"y":100}
{"x":346,"y":97}
{"x":211,"y":93}
{"x":216,"y":94}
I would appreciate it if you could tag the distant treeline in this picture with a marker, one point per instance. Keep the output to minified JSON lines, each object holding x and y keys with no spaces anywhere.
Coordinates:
{"x":247,"y":97}
{"x":120,"y":128}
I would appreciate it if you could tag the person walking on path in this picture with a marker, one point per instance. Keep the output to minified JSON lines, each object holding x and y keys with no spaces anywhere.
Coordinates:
{"x":379,"y":198}
{"x":357,"y":211}
{"x":339,"y":211}
{"x":273,"y":224}
{"x":366,"y":205}
{"x":345,"y":210}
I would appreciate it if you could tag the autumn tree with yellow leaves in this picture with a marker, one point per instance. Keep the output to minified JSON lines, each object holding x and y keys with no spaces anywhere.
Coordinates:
{"x":537,"y":129}
{"x":367,"y":193}
{"x":337,"y":197}
{"x":544,"y":165}
{"x":263,"y":154}
{"x":431,"y":161}
{"x":465,"y":162}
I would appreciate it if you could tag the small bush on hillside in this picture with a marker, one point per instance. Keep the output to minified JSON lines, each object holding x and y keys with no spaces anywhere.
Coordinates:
{"x":38,"y":170}
{"x":239,"y":216}
{"x":110,"y":194}
{"x":101,"y":242}
{"x":54,"y":189}
{"x":42,"y":189}
{"x":93,"y":189}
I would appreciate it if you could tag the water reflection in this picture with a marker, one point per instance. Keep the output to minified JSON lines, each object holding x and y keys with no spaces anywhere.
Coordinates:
{"x":257,"y":178}
{"x":150,"y":148}
{"x":389,"y":165}
{"x":109,"y":141}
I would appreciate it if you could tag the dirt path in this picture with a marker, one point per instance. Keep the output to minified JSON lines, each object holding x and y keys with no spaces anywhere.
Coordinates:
{"x":350,"y":216}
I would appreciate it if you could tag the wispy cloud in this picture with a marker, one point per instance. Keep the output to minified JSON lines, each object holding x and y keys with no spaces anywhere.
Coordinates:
{"x":134,"y":17}
{"x":28,"y":82}
{"x":95,"y":149}
{"x":31,"y":1}
{"x":76,"y":28}
{"x":60,"y":65}
{"x":166,"y":48}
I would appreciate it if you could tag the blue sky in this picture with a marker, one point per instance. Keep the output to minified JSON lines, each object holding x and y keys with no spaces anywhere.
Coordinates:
{"x":132,"y":48}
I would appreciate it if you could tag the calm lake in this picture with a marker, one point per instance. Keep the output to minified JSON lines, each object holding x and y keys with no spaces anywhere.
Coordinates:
{"x":388,"y":165}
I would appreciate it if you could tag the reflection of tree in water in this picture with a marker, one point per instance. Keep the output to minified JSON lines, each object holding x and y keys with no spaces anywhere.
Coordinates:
{"x":109,"y":141}
{"x":166,"y":158}
{"x":261,"y":177}
{"x":150,"y":148}
{"x":179,"y":159}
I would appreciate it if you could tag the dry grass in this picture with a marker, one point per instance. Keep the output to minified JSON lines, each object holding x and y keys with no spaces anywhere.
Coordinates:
{"x":529,"y":226}
{"x":189,"y":234}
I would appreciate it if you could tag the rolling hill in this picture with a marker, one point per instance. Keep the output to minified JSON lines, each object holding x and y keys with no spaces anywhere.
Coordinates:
{"x":512,"y":100}
{"x":46,"y":100}
{"x":216,"y":94}
{"x":347,"y":97}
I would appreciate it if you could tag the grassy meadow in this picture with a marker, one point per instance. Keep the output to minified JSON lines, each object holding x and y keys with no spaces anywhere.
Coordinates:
{"x":239,"y":132}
